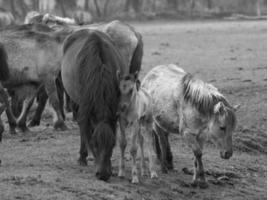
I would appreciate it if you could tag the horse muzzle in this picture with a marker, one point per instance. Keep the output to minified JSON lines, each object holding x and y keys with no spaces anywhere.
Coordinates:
{"x":226,"y":154}
{"x":104,"y":176}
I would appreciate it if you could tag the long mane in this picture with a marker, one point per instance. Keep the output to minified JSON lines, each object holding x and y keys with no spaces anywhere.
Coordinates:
{"x":98,"y":62}
{"x":203,"y":96}
{"x":4,"y":70}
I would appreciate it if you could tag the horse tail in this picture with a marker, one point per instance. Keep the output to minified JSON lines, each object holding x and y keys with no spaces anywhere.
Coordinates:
{"x":136,"y":62}
{"x":4,"y":70}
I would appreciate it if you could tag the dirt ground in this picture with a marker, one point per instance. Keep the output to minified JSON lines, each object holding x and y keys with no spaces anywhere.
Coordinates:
{"x":232,"y":56}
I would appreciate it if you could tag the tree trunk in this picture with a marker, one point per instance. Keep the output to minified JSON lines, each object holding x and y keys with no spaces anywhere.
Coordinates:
{"x":106,"y":7}
{"x":258,"y":7}
{"x":23,"y":7}
{"x":172,"y":4}
{"x":86,"y":5}
{"x":192,"y":6}
{"x":98,"y":12}
{"x":13,"y":8}
{"x":209,"y":4}
{"x":62,"y":8}
{"x":137,"y":5}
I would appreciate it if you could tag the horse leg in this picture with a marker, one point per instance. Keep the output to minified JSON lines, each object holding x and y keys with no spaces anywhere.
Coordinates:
{"x":68,"y":105}
{"x":11,"y":119}
{"x":151,"y":153}
{"x":123,"y":144}
{"x":133,"y":152}
{"x":2,"y":108}
{"x":58,"y":118}
{"x":196,"y":143}
{"x":84,"y":145}
{"x":165,"y":150}
{"x":141,"y":144}
{"x":41,"y":100}
{"x":21,"y":121}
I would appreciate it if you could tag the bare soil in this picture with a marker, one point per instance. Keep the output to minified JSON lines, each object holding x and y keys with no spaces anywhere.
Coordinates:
{"x":42,"y":164}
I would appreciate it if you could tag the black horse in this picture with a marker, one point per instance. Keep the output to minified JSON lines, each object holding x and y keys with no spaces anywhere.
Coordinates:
{"x":89,"y":73}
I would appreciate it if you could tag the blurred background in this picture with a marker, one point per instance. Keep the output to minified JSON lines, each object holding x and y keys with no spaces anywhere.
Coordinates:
{"x":139,"y":9}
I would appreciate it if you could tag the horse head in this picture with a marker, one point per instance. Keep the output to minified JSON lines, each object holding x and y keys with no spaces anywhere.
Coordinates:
{"x":221,"y":128}
{"x":102,"y":144}
{"x":129,"y":85}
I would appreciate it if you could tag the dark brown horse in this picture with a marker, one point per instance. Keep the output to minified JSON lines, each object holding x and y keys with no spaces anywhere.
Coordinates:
{"x":89,"y":73}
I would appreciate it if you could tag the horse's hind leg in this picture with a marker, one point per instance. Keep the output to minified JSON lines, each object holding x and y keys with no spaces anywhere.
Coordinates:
{"x":41,"y":100}
{"x":123,"y":144}
{"x":148,"y":135}
{"x":141,"y":144}
{"x":164,"y":148}
{"x":84,"y":145}
{"x":21,"y":121}
{"x":58,"y":117}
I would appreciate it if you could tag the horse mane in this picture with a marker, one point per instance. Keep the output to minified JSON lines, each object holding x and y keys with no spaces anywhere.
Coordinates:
{"x":98,"y":64}
{"x":203,"y":96}
{"x":136,"y":62}
{"x":4,"y":70}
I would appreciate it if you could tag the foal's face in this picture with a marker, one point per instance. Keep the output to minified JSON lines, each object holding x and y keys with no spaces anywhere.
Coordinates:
{"x":221,"y":129}
{"x":127,"y":90}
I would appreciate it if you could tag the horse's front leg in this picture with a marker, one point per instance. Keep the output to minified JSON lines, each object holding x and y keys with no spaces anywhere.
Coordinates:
{"x":133,"y":152}
{"x":21,"y":121}
{"x":2,"y":109}
{"x":41,"y":100}
{"x":123,"y":144}
{"x":11,"y":118}
{"x":58,"y":118}
{"x":84,"y":142}
{"x":148,"y":135}
{"x":196,"y":143}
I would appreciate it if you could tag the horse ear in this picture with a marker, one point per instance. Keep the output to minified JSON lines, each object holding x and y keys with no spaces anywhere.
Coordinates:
{"x":136,"y":75}
{"x":118,"y":75}
{"x":138,"y":84}
{"x":219,"y":108}
{"x":236,"y":107}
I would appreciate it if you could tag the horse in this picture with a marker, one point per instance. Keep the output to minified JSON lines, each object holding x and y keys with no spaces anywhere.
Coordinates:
{"x":34,"y":53}
{"x":6,"y":18}
{"x":126,"y":39}
{"x":82,"y":17}
{"x":135,"y":112}
{"x":183,"y":104}
{"x":89,"y":73}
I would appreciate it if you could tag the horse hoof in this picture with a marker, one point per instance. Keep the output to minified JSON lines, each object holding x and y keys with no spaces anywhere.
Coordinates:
{"x":121,"y":174}
{"x":82,"y":162}
{"x":60,"y":126}
{"x":12,"y":132}
{"x":194,"y":183}
{"x":34,"y":123}
{"x":164,"y":170}
{"x":203,"y":184}
{"x":24,"y":129}
{"x":135,"y":180}
{"x":154,"y":175}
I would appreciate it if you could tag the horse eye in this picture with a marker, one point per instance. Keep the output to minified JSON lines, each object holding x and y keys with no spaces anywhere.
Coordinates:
{"x":222,"y":128}
{"x":130,"y":91}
